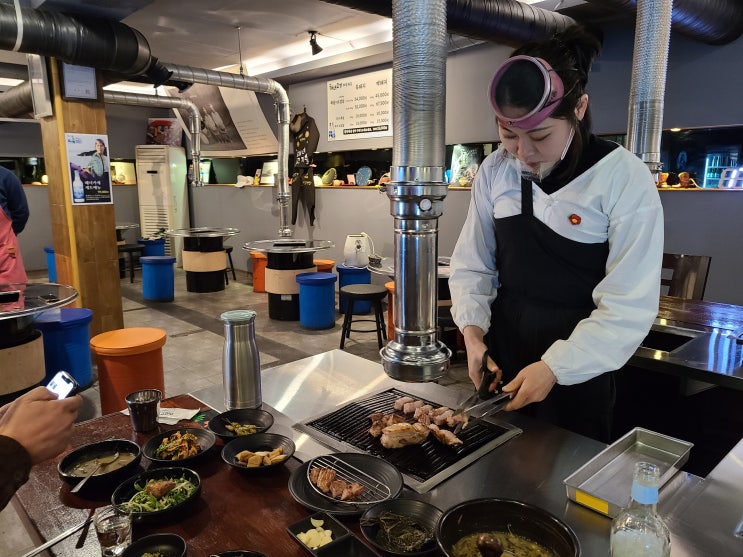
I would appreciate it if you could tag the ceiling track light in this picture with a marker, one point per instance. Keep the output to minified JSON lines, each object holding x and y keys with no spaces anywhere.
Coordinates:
{"x":316,"y":48}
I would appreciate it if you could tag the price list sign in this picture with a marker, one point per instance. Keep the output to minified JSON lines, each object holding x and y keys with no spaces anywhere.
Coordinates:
{"x":360,"y":106}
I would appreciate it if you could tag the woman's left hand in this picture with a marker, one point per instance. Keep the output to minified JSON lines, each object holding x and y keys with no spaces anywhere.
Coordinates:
{"x":531,"y":384}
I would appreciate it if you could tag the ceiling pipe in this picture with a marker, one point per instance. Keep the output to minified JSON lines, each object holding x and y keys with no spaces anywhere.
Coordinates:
{"x":259,"y":85}
{"x":194,"y":120}
{"x":16,"y":101}
{"x":417,"y":187}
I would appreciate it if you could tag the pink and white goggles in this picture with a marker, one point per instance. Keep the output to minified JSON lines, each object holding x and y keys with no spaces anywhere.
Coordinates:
{"x":552,"y":94}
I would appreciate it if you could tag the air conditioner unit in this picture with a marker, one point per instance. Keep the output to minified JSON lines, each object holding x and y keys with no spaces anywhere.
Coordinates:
{"x":163,"y":199}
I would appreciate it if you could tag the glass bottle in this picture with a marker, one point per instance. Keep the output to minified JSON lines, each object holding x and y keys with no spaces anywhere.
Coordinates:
{"x":241,"y":364}
{"x":639,"y":530}
{"x":78,"y":190}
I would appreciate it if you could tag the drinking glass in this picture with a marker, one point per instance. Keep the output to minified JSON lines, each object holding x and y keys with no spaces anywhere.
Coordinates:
{"x":113,"y":526}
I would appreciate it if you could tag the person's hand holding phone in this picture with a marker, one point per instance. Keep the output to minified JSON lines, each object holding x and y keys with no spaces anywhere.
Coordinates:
{"x":40,"y":422}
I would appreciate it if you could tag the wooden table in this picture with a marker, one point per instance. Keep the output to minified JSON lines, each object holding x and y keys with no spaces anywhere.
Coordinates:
{"x":234,"y":511}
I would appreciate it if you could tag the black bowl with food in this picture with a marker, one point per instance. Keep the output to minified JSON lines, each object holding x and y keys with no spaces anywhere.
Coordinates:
{"x":401,"y":526}
{"x":240,"y":422}
{"x":239,"y":553}
{"x":260,"y":451}
{"x":317,"y":530}
{"x":518,"y":527}
{"x":77,"y":464}
{"x":162,"y":545}
{"x":158,"y":494}
{"x":185,"y":446}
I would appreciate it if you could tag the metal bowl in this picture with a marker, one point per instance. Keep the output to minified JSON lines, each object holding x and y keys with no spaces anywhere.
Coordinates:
{"x":254,"y":443}
{"x":424,"y":514}
{"x":259,"y":418}
{"x":205,"y":438}
{"x":506,"y":515}
{"x":102,"y":479}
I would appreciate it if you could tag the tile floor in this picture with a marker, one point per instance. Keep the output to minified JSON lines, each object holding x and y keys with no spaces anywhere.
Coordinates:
{"x":193,"y":351}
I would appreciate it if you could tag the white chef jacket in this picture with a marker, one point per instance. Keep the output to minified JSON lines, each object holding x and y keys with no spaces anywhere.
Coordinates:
{"x":614,"y":200}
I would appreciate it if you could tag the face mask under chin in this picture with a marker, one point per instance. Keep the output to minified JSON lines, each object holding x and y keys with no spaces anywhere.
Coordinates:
{"x":543,"y":169}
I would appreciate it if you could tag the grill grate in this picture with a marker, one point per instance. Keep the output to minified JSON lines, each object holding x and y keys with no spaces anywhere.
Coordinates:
{"x":374,"y":490}
{"x":350,"y":424}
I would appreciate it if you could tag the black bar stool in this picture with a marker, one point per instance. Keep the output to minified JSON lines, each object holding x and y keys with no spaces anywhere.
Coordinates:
{"x":228,"y":251}
{"x":131,"y":250}
{"x":364,"y":293}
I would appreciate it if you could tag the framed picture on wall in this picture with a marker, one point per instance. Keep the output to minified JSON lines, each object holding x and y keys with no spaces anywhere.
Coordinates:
{"x":78,"y":82}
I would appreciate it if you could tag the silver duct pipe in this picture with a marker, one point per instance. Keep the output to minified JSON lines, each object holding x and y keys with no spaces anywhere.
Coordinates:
{"x":417,"y":187}
{"x":259,"y":85}
{"x":648,"y":86}
{"x":194,"y":119}
{"x":16,"y":101}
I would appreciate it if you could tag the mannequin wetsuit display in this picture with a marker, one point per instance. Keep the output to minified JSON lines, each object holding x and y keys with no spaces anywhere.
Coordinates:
{"x":306,"y":137}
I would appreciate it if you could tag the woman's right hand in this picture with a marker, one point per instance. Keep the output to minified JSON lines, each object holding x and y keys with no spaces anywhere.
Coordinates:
{"x":476,"y":347}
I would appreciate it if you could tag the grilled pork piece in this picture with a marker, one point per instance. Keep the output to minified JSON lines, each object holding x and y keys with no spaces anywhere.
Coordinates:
{"x":425,"y":409}
{"x":454,"y":420}
{"x":400,"y":435}
{"x":402,"y":401}
{"x":323,"y":479}
{"x":445,"y":436}
{"x":410,"y":407}
{"x":352,"y":491}
{"x":337,"y":487}
{"x":380,"y":421}
{"x":160,"y":488}
{"x":442,"y":417}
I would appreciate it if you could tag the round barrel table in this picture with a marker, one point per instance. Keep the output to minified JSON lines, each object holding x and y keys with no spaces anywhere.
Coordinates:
{"x":204,"y":259}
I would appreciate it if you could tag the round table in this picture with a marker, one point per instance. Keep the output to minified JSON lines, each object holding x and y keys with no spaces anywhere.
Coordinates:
{"x":21,"y":345}
{"x":122,"y":227}
{"x":204,"y":258}
{"x":286,"y":258}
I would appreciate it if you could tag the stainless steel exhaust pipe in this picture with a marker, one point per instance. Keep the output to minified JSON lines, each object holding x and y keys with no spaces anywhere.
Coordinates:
{"x":417,"y":187}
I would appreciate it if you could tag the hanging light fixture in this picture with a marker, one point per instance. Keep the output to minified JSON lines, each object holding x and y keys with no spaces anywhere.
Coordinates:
{"x":316,"y":48}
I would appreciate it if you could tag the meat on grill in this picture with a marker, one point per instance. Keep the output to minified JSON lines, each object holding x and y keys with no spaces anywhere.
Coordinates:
{"x":322,"y":478}
{"x":445,"y":436}
{"x":401,"y":402}
{"x":325,"y":480}
{"x":410,"y":407}
{"x":400,"y":435}
{"x":380,"y":421}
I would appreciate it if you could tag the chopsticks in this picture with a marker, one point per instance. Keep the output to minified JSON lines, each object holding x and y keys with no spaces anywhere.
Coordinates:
{"x":59,"y":538}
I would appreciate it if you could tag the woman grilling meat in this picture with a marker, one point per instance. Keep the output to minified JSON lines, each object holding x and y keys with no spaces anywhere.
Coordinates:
{"x":556,"y":272}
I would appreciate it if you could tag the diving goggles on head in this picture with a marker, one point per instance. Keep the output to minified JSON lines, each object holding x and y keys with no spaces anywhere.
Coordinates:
{"x":552,"y":94}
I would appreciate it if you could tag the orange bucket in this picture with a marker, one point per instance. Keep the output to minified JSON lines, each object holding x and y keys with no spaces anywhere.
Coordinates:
{"x":259,"y":270}
{"x":324,"y":265}
{"x":128,"y":360}
{"x":390,"y":286}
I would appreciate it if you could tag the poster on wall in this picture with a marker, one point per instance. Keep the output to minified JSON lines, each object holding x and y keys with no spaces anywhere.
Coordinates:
{"x":360,"y":107}
{"x":164,"y":131}
{"x":90,"y":174}
{"x":232,"y":121}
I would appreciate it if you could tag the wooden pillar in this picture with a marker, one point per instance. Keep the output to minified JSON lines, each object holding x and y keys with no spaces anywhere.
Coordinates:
{"x":84,"y":235}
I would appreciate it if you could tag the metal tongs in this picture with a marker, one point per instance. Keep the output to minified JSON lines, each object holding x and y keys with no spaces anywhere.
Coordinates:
{"x":483,"y":402}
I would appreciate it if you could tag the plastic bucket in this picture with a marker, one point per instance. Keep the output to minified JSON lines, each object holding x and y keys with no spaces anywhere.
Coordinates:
{"x":317,"y":300}
{"x":51,"y":263}
{"x":153,"y":247}
{"x":158,"y":278}
{"x":128,"y":360}
{"x":259,"y":271}
{"x":66,"y":336}
{"x":353,"y":275}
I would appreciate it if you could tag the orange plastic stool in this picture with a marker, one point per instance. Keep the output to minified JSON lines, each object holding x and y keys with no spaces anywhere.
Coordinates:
{"x":128,"y":360}
{"x":324,"y":265}
{"x":390,"y":286}
{"x":259,"y":270}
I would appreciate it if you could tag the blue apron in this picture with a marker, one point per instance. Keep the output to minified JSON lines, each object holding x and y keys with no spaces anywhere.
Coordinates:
{"x":546,"y":286}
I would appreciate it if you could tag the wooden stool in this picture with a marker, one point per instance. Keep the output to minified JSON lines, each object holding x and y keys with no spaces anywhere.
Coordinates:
{"x":131,"y":250}
{"x":364,"y":293}
{"x":230,"y":267}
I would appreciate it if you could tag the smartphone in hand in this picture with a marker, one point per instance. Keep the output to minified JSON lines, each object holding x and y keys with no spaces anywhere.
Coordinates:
{"x":63,"y":384}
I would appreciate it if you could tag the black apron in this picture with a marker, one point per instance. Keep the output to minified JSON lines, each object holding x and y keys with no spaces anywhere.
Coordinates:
{"x":546,"y":286}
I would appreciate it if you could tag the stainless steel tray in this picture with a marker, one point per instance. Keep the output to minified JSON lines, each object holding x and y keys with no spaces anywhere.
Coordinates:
{"x":604,"y":482}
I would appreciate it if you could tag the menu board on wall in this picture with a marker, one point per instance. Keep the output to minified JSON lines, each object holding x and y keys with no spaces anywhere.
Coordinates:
{"x":360,"y":106}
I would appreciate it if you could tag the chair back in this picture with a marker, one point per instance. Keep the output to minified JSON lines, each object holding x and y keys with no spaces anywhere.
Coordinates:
{"x":684,"y":276}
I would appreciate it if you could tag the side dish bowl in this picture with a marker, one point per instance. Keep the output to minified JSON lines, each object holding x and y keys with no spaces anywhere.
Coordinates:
{"x":205,"y":439}
{"x":261,"y":419}
{"x":74,"y":466}
{"x":258,"y":443}
{"x":388,"y":538}
{"x":163,"y":545}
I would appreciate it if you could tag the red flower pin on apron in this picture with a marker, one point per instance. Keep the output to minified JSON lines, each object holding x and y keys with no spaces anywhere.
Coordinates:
{"x":574,"y":219}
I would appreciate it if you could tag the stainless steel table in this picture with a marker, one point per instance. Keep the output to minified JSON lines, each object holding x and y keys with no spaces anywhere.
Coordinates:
{"x":529,"y":467}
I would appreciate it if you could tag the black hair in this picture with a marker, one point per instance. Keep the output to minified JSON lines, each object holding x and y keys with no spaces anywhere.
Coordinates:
{"x":571,"y":53}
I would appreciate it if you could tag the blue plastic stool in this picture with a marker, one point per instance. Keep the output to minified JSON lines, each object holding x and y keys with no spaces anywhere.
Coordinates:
{"x":51,"y":263}
{"x":158,"y":278}
{"x":152,"y":247}
{"x":353,"y":275}
{"x":316,"y":300}
{"x":66,"y":337}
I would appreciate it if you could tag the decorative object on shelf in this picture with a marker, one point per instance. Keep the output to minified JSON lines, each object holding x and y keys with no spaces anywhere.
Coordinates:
{"x":329,"y":176}
{"x":363,"y":176}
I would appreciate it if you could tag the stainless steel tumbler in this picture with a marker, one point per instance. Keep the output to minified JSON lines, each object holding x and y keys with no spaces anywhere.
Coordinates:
{"x":241,"y":364}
